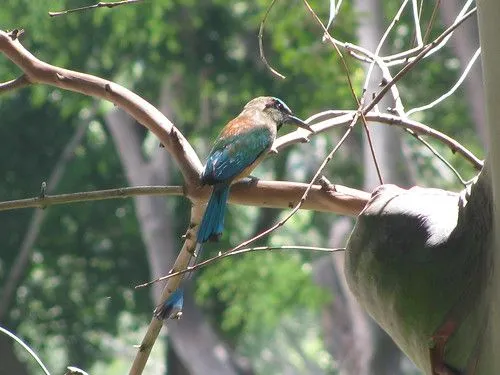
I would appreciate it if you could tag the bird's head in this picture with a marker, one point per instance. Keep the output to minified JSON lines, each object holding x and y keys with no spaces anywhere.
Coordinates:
{"x":276,"y":110}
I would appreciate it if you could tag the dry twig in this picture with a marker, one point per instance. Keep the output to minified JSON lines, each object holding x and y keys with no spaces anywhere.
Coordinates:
{"x":100,"y":4}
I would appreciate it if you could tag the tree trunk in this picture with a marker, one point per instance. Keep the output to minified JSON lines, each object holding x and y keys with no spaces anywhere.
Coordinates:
{"x":489,"y":30}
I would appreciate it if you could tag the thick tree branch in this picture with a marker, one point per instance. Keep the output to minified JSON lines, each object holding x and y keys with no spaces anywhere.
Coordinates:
{"x":38,"y":71}
{"x":274,"y":194}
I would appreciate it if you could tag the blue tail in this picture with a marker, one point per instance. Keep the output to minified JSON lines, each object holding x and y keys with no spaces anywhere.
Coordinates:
{"x":212,"y":224}
{"x":172,"y":307}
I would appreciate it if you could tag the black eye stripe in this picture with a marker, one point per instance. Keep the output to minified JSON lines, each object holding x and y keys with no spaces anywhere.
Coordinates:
{"x":278,"y":104}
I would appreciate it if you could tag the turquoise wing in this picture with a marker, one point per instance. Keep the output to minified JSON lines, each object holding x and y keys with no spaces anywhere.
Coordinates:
{"x":230,"y":156}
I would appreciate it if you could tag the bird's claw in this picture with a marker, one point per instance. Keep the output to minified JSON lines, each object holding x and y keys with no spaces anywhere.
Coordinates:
{"x":249,"y":180}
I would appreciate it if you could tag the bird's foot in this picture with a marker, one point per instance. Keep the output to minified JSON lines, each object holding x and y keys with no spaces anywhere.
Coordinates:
{"x":249,"y":180}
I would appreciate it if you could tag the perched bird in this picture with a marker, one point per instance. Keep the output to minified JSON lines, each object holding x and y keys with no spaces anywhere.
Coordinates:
{"x":239,"y":148}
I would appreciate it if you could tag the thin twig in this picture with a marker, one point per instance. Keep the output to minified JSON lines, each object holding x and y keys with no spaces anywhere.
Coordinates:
{"x":431,"y":21}
{"x":369,"y":57}
{"x":334,"y":10}
{"x":395,"y":92}
{"x":351,"y":87}
{"x":421,"y":55}
{"x":19,"y":82}
{"x":400,"y":109}
{"x":337,"y":118}
{"x":438,"y":155}
{"x":101,"y":4}
{"x":407,"y":56}
{"x":375,"y":55}
{"x":385,"y":74}
{"x":231,"y":252}
{"x":416,"y":19}
{"x":415,"y":60}
{"x":452,"y":90}
{"x":426,"y":130}
{"x":261,"y":47}
{"x":86,"y":196}
{"x":27,"y":348}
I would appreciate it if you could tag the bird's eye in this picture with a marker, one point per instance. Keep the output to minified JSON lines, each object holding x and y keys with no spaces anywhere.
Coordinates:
{"x":279,"y":105}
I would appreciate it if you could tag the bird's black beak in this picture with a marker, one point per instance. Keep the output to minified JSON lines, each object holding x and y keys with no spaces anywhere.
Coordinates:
{"x":298,"y":122}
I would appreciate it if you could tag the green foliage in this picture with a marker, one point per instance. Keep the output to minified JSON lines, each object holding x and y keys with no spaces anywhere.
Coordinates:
{"x":80,"y":275}
{"x":267,"y":284}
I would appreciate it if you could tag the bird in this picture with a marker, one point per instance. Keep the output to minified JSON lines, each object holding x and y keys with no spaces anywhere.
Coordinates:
{"x":241,"y":145}
{"x":239,"y":148}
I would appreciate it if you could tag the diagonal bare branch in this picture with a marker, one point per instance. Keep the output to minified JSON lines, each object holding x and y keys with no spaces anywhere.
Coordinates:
{"x":416,"y":59}
{"x":454,"y":88}
{"x":416,"y":20}
{"x":225,"y":254}
{"x":261,"y":43}
{"x":338,"y":118}
{"x":38,"y":71}
{"x":181,"y":263}
{"x":100,"y":4}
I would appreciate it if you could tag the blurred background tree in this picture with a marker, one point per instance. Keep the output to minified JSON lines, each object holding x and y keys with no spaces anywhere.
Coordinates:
{"x":289,"y":312}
